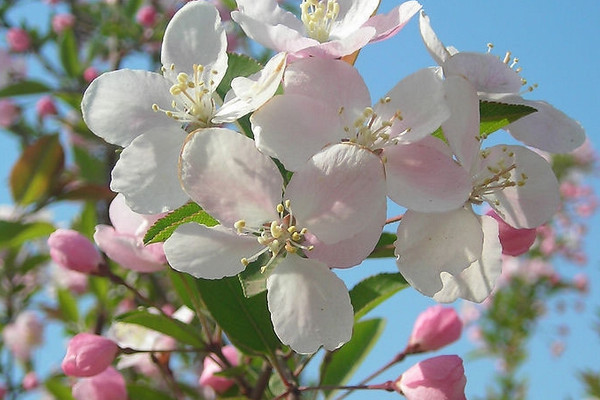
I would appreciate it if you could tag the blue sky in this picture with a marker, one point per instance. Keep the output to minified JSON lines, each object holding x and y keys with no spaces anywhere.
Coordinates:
{"x":556,"y":45}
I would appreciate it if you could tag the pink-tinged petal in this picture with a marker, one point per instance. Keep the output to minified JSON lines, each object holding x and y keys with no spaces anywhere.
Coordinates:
{"x":195,"y":36}
{"x":146,"y":172}
{"x":462,"y":128}
{"x":477,"y":281}
{"x":387,"y":25}
{"x":419,"y":98}
{"x":310,"y":306}
{"x":424,"y":177}
{"x":128,"y":222}
{"x":349,"y":252}
{"x":209,"y":253}
{"x":338,"y":47}
{"x":252,"y":92}
{"x":526,"y":205}
{"x":224,"y":172}
{"x":434,"y":45}
{"x":430,"y":244}
{"x":117,"y":106}
{"x":129,"y":251}
{"x":292,"y":128}
{"x":267,"y":11}
{"x":548,"y":129}
{"x":353,"y":14}
{"x":485,"y":71}
{"x":339,"y":192}
{"x":333,"y":82}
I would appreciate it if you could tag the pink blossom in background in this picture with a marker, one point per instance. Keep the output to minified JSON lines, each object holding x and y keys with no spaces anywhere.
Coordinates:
{"x":23,"y":335}
{"x":74,"y":281}
{"x":514,"y":241}
{"x":72,"y":250}
{"x":108,"y":385}
{"x":45,"y":107}
{"x":11,"y":68}
{"x":2,"y":391}
{"x":438,"y":378}
{"x":90,"y":73}
{"x":18,"y":40}
{"x":9,"y":113}
{"x":61,"y":22}
{"x":30,"y":381}
{"x":88,"y":355}
{"x":581,"y":283}
{"x":219,"y":383}
{"x":146,"y":16}
{"x":435,"y":328}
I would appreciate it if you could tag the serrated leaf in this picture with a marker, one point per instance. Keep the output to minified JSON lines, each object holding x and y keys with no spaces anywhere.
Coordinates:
{"x":184,"y":333}
{"x":338,"y":367}
{"x":14,"y":234}
{"x":164,"y":227}
{"x":246,"y":321}
{"x":496,"y":115}
{"x":67,"y":305}
{"x":371,"y":292}
{"x":35,"y":173}
{"x":68,"y":53}
{"x":385,"y":246}
{"x":24,"y":88}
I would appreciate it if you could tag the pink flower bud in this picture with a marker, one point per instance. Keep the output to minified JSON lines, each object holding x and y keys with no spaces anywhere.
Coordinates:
{"x":18,"y":39}
{"x":9,"y":113}
{"x":146,"y":16}
{"x":72,"y":250}
{"x":514,"y":241}
{"x":88,"y":355}
{"x":90,"y":74}
{"x":30,"y":381}
{"x":45,"y":107}
{"x":62,"y":22}
{"x":219,"y":383}
{"x":108,"y":385}
{"x":438,"y":378}
{"x":435,"y":328}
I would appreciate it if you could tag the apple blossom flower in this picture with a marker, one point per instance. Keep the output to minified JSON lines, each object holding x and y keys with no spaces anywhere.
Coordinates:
{"x":62,"y":22}
{"x":437,"y":378}
{"x":107,"y":385}
{"x":45,"y":106}
{"x":435,"y":328}
{"x":326,"y":28}
{"x":123,"y":242}
{"x":74,"y":251}
{"x":326,"y":101}
{"x":9,"y":113}
{"x":21,"y":336}
{"x":18,"y":39}
{"x":30,"y":381}
{"x":88,"y":355}
{"x":150,"y":114}
{"x":146,"y":16}
{"x":208,"y":378}
{"x":326,"y":214}
{"x":547,"y":129}
{"x":514,"y":241}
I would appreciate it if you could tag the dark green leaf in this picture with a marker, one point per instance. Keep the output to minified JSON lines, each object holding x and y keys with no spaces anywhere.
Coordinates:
{"x":185,"y":287}
{"x":14,"y":234}
{"x":496,"y":115}
{"x":24,"y":88}
{"x":246,"y":321}
{"x":338,"y":366}
{"x":68,"y":54}
{"x":253,"y":278}
{"x":68,"y":305}
{"x":35,"y":173}
{"x":385,"y":246}
{"x":371,"y":292}
{"x":136,"y":391}
{"x":164,"y":227}
{"x":91,"y":169}
{"x":176,"y":329}
{"x":131,"y":7}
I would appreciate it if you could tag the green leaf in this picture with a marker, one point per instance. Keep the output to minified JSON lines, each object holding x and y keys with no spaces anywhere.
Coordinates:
{"x":131,"y":7}
{"x":338,"y":366}
{"x":68,"y":305}
{"x":253,"y":278}
{"x":24,"y":88}
{"x":35,"y":173}
{"x":136,"y":391}
{"x":164,"y":227}
{"x":237,"y":65}
{"x":246,"y":321}
{"x":371,"y":292}
{"x":385,"y":246}
{"x":87,"y":220}
{"x":495,"y":115}
{"x":68,"y":54}
{"x":59,"y":390}
{"x":184,"y":333}
{"x":14,"y":234}
{"x":185,"y":287}
{"x":91,"y":169}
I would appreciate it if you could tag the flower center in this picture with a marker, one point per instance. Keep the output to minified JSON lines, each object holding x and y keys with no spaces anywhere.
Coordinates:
{"x":370,"y":131}
{"x":279,"y":236}
{"x":497,"y":177}
{"x":193,"y":102}
{"x":318,"y":17}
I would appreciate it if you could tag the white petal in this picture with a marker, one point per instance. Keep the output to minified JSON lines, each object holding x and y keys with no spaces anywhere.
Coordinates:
{"x":477,"y":281}
{"x":195,"y":36}
{"x":122,"y":218}
{"x":146,"y":172}
{"x":339,"y":192}
{"x":387,"y":25}
{"x":252,"y":92}
{"x":117,"y":106}
{"x":436,"y":48}
{"x":528,"y":205}
{"x":419,"y":98}
{"x":353,"y":14}
{"x":292,"y":128}
{"x":224,"y":172}
{"x":424,"y":177}
{"x":338,"y":48}
{"x":209,"y":253}
{"x":310,"y":306}
{"x":433,"y":243}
